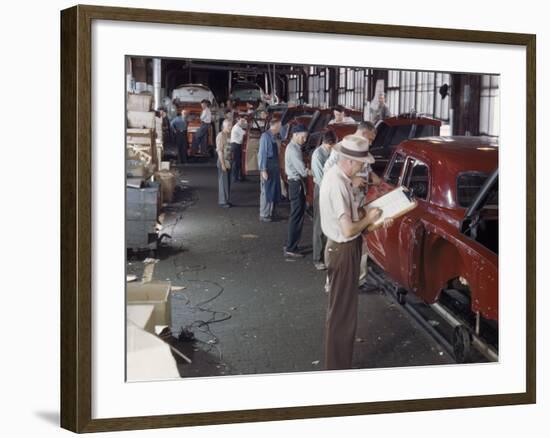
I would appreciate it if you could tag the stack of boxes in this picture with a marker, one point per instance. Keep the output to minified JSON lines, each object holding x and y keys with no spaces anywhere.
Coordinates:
{"x":150,"y":183}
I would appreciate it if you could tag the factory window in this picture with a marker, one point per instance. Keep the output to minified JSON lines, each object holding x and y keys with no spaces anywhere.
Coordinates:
{"x":352,"y":86}
{"x":392,"y":92}
{"x":295,"y":88}
{"x":418,"y":91}
{"x":489,"y":107}
{"x":317,"y":87}
{"x":425,"y":92}
{"x":360,"y":79}
{"x":342,"y":86}
{"x":407,"y":91}
{"x":442,"y":102}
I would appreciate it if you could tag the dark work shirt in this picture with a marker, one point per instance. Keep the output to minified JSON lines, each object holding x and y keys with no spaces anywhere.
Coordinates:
{"x":268,"y":149}
{"x":179,"y":124}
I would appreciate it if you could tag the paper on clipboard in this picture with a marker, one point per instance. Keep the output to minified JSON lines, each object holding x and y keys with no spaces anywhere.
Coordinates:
{"x":393,"y":204}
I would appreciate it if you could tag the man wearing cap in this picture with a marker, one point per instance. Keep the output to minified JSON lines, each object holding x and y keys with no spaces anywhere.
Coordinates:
{"x":361,"y":182}
{"x":296,"y":173}
{"x":343,"y":222}
{"x":270,"y":175}
{"x":339,"y":113}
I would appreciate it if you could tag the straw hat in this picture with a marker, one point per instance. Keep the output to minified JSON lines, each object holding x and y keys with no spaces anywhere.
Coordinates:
{"x":355,"y":147}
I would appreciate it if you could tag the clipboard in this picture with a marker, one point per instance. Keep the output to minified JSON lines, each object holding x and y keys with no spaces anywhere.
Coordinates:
{"x":393,"y":204}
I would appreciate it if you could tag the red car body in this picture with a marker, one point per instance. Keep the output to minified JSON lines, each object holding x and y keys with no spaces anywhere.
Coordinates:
{"x":394,"y":130}
{"x":391,"y":131}
{"x":427,"y":248}
{"x":190,"y":102}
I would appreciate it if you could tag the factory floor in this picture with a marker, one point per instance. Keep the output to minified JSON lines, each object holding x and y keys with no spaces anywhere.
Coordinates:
{"x":242,"y":308}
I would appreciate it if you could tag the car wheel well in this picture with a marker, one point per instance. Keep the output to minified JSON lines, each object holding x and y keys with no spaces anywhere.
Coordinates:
{"x":442,"y":250}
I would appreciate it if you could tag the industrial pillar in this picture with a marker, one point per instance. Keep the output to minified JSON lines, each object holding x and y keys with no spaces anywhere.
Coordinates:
{"x":156,"y":83}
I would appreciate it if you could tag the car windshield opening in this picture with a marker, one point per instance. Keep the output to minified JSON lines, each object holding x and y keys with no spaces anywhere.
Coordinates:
{"x":395,"y":170}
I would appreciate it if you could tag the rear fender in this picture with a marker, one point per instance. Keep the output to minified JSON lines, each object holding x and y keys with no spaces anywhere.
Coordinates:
{"x":442,"y":261}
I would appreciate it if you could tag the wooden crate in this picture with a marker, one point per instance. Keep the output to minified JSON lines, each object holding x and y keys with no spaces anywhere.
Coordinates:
{"x":143,"y":140}
{"x":141,"y":119}
{"x":139,"y":102}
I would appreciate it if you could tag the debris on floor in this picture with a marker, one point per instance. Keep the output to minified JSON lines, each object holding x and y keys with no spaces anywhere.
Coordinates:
{"x":148,"y":270}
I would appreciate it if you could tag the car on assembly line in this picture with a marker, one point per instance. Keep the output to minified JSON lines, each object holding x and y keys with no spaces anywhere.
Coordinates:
{"x":445,"y":251}
{"x":393,"y":130}
{"x":390,"y":132}
{"x":189,"y":97}
{"x":243,"y":93}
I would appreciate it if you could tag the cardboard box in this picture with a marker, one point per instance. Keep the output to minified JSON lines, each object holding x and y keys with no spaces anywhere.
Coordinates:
{"x":156,"y":293}
{"x":139,"y":102}
{"x":147,"y":356}
{"x":142,"y":316}
{"x":141,"y":119}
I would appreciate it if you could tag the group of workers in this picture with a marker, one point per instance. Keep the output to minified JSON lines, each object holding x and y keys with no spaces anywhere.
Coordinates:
{"x":341,"y":173}
{"x":176,"y":131}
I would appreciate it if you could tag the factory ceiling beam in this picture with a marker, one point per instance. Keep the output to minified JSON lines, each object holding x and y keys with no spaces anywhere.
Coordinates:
{"x":237,"y":68}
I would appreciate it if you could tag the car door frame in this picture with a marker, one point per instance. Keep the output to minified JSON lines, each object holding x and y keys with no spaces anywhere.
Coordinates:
{"x":412,"y":231}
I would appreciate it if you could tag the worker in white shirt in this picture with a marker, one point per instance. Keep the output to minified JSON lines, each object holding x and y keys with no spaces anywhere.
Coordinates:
{"x":201,"y":136}
{"x":237,"y":137}
{"x":339,"y":113}
{"x":343,"y":222}
{"x":360,"y":182}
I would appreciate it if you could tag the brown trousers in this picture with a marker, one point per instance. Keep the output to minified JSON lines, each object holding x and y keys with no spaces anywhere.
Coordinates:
{"x":343,"y":261}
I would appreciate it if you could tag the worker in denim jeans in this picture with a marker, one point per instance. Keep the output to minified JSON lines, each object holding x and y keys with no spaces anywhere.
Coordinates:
{"x":201,"y":136}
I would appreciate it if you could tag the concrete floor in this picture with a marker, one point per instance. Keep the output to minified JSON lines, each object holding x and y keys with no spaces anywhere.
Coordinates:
{"x":250,"y":310}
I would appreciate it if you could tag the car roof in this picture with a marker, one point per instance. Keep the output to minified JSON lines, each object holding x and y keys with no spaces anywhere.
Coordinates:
{"x":448,"y":157}
{"x":462,"y":151}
